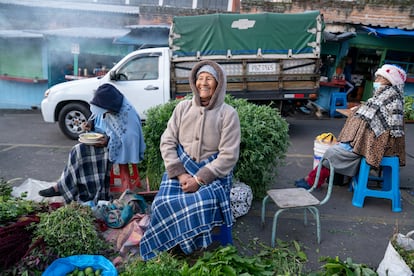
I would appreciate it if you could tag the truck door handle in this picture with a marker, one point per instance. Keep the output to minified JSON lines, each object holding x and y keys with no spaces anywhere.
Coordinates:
{"x":150,"y":87}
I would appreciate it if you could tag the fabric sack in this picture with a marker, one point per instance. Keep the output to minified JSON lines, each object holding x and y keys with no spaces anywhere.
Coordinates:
{"x":393,"y":264}
{"x":119,"y":212}
{"x":241,"y":197}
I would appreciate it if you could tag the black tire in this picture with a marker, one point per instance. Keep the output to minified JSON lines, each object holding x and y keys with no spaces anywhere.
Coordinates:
{"x":71,"y":118}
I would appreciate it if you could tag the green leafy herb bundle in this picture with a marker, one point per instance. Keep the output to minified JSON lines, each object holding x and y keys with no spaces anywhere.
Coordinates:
{"x":70,"y":230}
{"x":11,"y":208}
{"x":406,"y":254}
{"x":335,"y":266}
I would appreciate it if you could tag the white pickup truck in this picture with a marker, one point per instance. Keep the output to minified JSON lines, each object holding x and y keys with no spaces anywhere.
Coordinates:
{"x":267,"y":57}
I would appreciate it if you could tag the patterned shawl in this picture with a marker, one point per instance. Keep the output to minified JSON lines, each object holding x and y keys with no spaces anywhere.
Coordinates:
{"x":126,"y":144}
{"x":384,"y":111}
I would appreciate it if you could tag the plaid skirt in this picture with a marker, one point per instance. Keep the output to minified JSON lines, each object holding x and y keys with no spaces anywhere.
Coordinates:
{"x":186,"y":219}
{"x":86,"y":174}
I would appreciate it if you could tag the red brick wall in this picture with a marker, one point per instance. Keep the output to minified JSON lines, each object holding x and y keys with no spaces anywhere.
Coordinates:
{"x":396,"y":14}
{"x":153,"y":15}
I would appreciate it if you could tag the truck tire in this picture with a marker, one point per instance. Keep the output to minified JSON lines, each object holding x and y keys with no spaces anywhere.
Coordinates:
{"x":71,"y":118}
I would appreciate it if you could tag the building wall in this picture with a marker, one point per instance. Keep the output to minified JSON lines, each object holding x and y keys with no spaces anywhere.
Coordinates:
{"x":154,"y":15}
{"x":390,"y":13}
{"x":14,"y":17}
{"x":339,"y":16}
{"x":21,"y":95}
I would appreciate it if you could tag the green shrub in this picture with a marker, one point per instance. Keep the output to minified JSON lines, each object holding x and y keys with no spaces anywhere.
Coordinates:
{"x":264,"y":143}
{"x":152,"y":167}
{"x":409,"y":107}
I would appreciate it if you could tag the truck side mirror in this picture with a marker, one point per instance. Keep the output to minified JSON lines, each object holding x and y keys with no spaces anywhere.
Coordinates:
{"x":113,"y":75}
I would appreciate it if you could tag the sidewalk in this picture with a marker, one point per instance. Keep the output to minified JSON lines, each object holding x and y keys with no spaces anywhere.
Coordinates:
{"x":346,"y":231}
{"x":31,"y":148}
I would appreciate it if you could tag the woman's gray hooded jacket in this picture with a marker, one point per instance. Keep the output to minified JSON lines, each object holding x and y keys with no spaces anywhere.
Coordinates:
{"x":203,"y":131}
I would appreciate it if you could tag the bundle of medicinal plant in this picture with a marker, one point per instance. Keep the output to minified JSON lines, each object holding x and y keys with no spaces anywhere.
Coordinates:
{"x":70,"y":230}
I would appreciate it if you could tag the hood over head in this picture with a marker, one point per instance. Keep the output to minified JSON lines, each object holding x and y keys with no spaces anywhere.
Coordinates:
{"x":219,"y":74}
{"x":108,"y":97}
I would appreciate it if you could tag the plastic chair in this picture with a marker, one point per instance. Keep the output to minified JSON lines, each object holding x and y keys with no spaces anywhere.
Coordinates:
{"x":390,"y":168}
{"x":338,"y":101}
{"x":224,"y":236}
{"x":123,"y":177}
{"x":298,"y":198}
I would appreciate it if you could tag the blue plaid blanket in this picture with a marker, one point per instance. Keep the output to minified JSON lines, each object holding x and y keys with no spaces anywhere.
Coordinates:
{"x":86,"y":175}
{"x":186,"y":219}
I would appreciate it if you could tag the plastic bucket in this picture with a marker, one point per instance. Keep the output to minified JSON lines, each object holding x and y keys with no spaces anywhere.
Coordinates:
{"x":319,"y":149}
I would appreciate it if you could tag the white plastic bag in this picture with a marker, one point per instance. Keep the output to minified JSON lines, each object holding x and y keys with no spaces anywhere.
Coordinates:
{"x":32,"y":188}
{"x":393,"y":264}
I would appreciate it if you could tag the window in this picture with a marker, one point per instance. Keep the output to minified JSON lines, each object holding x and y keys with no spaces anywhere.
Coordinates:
{"x":141,"y":68}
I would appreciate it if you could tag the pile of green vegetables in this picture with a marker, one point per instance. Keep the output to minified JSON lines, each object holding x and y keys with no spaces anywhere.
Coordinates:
{"x":11,"y":208}
{"x":406,"y":254}
{"x":33,"y":235}
{"x":288,"y":259}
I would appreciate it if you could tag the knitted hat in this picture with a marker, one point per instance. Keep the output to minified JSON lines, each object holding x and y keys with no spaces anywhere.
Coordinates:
{"x":208,"y":69}
{"x":393,"y":73}
{"x":108,"y":97}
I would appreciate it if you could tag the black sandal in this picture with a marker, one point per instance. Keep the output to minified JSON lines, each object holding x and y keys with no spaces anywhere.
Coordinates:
{"x":49,"y":192}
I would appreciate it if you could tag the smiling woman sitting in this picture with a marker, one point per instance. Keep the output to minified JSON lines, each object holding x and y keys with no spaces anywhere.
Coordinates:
{"x":200,"y":148}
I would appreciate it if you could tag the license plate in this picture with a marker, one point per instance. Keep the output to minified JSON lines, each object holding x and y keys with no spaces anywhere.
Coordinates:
{"x":260,"y":68}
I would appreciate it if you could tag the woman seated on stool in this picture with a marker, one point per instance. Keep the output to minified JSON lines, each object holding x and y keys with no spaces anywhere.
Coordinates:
{"x":200,"y":148}
{"x":86,"y":175}
{"x":373,"y":130}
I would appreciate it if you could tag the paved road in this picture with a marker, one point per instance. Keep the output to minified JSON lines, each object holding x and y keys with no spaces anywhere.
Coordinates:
{"x":31,"y":148}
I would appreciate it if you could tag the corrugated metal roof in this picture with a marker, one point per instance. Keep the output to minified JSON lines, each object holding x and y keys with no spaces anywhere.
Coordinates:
{"x":85,"y":32}
{"x":148,"y":35}
{"x":18,"y":34}
{"x":156,"y":27}
{"x":74,"y":6}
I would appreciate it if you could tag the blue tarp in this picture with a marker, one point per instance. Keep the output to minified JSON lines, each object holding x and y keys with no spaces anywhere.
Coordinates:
{"x":383,"y":32}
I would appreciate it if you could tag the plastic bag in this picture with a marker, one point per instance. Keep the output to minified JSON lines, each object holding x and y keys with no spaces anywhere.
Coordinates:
{"x":62,"y":266}
{"x":326,"y":138}
{"x":32,"y":187}
{"x":393,"y":264}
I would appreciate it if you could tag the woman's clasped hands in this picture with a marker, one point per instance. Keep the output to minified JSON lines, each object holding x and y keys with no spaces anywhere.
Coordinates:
{"x":188,"y":183}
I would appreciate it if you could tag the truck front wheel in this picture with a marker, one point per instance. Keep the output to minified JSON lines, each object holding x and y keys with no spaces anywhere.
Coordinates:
{"x":71,"y":118}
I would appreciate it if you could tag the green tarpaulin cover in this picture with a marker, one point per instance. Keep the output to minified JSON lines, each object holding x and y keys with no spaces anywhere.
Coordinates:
{"x":247,"y":34}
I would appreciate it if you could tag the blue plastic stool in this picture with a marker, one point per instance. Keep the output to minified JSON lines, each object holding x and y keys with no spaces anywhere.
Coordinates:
{"x":390,"y":166}
{"x":224,"y":237}
{"x":338,"y":101}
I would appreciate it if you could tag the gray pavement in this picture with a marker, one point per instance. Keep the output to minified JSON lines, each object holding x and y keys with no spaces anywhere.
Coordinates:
{"x":31,"y":148}
{"x":346,"y":231}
